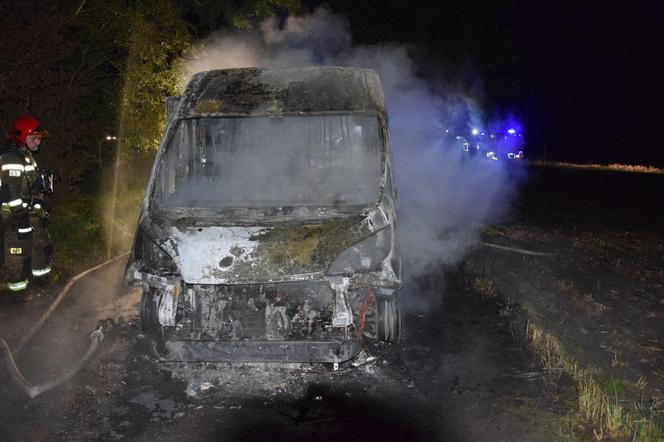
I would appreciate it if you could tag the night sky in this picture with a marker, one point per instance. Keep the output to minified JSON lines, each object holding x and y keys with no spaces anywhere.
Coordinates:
{"x":593,"y":79}
{"x":585,"y":77}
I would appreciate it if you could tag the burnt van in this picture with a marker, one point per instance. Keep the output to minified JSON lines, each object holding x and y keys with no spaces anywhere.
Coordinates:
{"x":267,"y":232}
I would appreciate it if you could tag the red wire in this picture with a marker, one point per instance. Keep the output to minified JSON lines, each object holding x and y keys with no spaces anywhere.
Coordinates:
{"x":368,"y":295}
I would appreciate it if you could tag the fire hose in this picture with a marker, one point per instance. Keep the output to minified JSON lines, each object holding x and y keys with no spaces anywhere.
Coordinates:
{"x":507,"y":248}
{"x":96,"y":337}
{"x":35,"y":390}
{"x":37,"y":325}
{"x":517,"y":250}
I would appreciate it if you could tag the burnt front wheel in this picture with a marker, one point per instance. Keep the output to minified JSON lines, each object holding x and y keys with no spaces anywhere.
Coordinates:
{"x":149,"y":314}
{"x":388,"y":319}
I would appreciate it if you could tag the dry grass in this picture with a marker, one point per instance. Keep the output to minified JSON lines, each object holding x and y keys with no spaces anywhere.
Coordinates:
{"x":585,"y":302}
{"x":485,"y":287}
{"x":614,"y":167}
{"x":604,"y":406}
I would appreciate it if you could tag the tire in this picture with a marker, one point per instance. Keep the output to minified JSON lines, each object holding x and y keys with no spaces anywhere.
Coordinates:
{"x":149,"y":314}
{"x":389,"y":319}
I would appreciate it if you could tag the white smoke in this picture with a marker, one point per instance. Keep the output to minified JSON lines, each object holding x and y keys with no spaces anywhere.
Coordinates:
{"x":443,"y":197}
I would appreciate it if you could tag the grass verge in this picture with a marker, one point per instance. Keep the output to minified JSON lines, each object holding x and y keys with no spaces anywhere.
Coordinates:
{"x":603,"y":404}
{"x":615,"y":166}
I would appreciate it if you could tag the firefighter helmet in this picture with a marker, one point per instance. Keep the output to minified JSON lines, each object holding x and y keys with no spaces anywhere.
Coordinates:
{"x":26,"y":125}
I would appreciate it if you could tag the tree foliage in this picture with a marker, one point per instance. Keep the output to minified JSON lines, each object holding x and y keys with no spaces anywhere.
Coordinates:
{"x":209,"y":15}
{"x":159,"y":37}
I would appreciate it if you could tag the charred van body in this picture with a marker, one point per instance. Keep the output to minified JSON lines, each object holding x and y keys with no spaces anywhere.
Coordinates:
{"x":267,"y":232}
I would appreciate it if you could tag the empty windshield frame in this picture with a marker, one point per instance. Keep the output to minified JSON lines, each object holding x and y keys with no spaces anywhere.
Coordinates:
{"x":313,"y":159}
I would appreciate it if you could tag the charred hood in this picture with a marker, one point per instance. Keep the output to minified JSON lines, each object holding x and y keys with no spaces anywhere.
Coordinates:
{"x":263,"y":253}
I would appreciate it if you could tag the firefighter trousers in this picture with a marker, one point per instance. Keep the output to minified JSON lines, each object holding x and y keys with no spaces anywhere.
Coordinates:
{"x":28,"y":254}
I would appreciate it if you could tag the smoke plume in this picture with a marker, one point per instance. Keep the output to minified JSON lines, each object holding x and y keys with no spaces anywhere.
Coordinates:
{"x":443,"y":197}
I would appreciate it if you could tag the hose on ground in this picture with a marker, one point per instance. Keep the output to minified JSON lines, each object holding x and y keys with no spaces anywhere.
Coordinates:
{"x":95,"y":339}
{"x":35,"y":390}
{"x":507,"y":248}
{"x":37,"y":325}
{"x":517,"y":250}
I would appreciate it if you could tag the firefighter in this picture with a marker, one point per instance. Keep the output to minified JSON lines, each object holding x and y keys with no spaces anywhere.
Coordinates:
{"x":27,"y":246}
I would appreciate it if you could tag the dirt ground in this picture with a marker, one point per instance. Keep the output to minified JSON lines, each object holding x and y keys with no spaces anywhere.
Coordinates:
{"x":601,"y":291}
{"x":463,"y":371}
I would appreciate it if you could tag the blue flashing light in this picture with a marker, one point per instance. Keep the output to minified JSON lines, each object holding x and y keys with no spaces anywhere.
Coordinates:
{"x":474,"y":131}
{"x":511,"y":131}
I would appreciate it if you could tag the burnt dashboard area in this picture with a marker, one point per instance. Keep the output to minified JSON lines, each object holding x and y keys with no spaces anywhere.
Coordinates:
{"x":284,"y":311}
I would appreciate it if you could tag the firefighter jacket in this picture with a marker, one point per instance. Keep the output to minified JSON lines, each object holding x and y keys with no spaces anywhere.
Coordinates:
{"x":19,"y":188}
{"x":27,"y":247}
